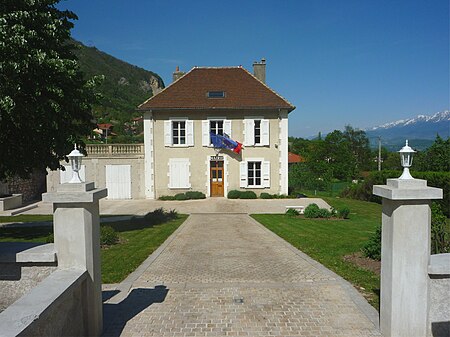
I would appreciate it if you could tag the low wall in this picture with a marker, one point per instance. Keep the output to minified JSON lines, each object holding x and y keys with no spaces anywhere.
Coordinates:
{"x":11,"y":202}
{"x":439,"y":314}
{"x":22,"y":267}
{"x":55,"y":307}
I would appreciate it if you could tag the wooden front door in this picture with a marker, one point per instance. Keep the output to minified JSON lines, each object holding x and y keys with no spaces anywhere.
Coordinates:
{"x":216,"y":178}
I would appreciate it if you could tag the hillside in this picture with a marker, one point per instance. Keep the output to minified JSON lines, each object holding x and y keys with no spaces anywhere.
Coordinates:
{"x":124,"y":88}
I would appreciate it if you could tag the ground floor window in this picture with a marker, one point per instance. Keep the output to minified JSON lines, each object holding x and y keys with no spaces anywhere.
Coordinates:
{"x":255,"y":173}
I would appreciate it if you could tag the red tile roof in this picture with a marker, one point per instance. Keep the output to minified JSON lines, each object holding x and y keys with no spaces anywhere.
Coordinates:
{"x":295,"y":158}
{"x":242,"y":91}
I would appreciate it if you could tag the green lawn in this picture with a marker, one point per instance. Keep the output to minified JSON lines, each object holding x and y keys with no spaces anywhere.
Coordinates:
{"x":136,"y":244}
{"x":328,"y":241}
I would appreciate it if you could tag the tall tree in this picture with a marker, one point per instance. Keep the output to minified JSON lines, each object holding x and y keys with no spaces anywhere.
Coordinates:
{"x":359,"y":145}
{"x":435,"y":158}
{"x":45,"y":104}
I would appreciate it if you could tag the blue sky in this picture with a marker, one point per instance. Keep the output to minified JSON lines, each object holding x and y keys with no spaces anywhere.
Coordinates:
{"x":357,"y":62}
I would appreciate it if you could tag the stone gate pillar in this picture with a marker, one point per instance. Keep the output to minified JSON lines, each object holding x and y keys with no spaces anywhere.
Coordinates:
{"x":405,"y":255}
{"x":77,"y":242}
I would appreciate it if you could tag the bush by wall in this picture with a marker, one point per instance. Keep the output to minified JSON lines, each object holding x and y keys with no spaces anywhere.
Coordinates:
{"x":372,"y":248}
{"x":108,"y":236}
{"x":248,"y":195}
{"x":234,"y":194}
{"x":190,"y":195}
{"x":292,"y":212}
{"x":312,"y":211}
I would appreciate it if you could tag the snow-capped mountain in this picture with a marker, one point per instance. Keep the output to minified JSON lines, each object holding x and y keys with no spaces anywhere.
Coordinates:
{"x":423,"y":129}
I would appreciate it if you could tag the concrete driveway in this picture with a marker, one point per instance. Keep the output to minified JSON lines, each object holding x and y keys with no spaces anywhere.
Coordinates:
{"x":226,"y":275}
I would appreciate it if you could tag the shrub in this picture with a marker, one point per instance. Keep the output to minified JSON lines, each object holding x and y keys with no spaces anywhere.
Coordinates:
{"x":234,"y":194}
{"x":167,"y":197}
{"x":324,"y":213}
{"x":195,"y":195}
{"x":372,"y":248}
{"x":180,"y":196}
{"x":292,"y":212}
{"x":248,"y":195}
{"x":108,"y":236}
{"x":440,"y":241}
{"x":50,"y":238}
{"x":344,"y":212}
{"x":265,"y":195}
{"x":312,"y":211}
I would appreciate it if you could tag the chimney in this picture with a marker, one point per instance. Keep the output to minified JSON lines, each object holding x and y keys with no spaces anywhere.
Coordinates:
{"x":259,"y":70}
{"x":177,"y":74}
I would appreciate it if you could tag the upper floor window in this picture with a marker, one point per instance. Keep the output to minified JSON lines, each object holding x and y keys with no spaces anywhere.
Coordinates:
{"x":179,"y":132}
{"x":256,"y":131}
{"x":216,"y":127}
{"x":216,"y":94}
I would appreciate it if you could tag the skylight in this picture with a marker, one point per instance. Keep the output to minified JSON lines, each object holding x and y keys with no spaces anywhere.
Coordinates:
{"x":216,"y":94}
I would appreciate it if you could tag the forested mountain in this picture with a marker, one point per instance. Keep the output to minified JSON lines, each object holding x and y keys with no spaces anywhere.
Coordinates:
{"x":125,"y":86}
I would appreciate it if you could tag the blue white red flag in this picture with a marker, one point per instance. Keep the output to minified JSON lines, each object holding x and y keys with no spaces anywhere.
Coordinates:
{"x":225,"y":142}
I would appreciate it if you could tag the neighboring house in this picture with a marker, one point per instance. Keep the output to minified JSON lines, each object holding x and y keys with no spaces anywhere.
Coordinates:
{"x":178,"y":121}
{"x":178,"y":156}
{"x":294,"y":158}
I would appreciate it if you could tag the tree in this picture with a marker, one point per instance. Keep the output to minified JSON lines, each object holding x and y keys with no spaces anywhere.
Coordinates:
{"x":359,"y":145}
{"x":435,"y":158}
{"x":45,"y":104}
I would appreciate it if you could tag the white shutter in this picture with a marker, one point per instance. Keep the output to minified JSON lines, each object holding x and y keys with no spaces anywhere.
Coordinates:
{"x":249,"y":132}
{"x":167,"y":133}
{"x":243,"y":174}
{"x":264,"y":132}
{"x":189,"y":133}
{"x":66,"y":176}
{"x":206,"y":139}
{"x":266,"y":173}
{"x":227,"y":127}
{"x":179,"y":173}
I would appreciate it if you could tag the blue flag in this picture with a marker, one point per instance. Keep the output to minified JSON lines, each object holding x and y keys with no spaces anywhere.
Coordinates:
{"x":225,"y":142}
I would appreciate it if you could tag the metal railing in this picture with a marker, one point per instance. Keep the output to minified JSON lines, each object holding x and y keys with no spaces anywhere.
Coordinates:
{"x":105,"y":150}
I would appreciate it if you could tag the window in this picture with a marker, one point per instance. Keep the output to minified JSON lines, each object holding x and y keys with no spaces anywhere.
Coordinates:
{"x":179,"y":173}
{"x":217,"y":125}
{"x":255,"y":173}
{"x":256,"y":131}
{"x":178,"y":132}
{"x":216,"y":94}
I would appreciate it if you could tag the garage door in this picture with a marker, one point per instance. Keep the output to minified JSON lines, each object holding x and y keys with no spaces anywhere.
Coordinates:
{"x":118,"y":181}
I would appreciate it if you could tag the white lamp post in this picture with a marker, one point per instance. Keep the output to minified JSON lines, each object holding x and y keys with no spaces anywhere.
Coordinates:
{"x":75,"y":162}
{"x":406,"y":157}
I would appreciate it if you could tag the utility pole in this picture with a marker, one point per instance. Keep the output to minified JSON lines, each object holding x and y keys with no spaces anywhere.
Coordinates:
{"x":379,"y":153}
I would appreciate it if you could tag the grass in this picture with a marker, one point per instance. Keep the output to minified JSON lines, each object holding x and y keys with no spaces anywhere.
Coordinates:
{"x":26,"y":218}
{"x":328,"y":241}
{"x":118,"y":261}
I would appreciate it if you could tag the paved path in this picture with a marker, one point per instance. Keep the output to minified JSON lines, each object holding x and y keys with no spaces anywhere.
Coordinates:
{"x":226,"y":275}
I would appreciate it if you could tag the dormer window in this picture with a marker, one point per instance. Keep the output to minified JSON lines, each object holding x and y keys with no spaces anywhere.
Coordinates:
{"x":216,"y":94}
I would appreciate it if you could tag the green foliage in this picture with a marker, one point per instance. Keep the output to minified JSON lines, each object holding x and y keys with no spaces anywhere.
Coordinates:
{"x":265,"y":195}
{"x":363,"y":190}
{"x":324,"y":213}
{"x":292,"y":212}
{"x":440,"y":237}
{"x":372,"y":248}
{"x":234,"y":194}
{"x":50,"y":238}
{"x":44,"y":98}
{"x":180,"y":196}
{"x":167,"y":197}
{"x":156,"y":217}
{"x":248,"y":195}
{"x":435,"y":158}
{"x":195,"y":195}
{"x":312,"y":211}
{"x":108,"y":236}
{"x":344,"y":212}
{"x":184,"y":196}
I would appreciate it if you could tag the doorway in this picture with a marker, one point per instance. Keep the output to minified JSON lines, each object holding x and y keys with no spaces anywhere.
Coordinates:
{"x":216,"y":178}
